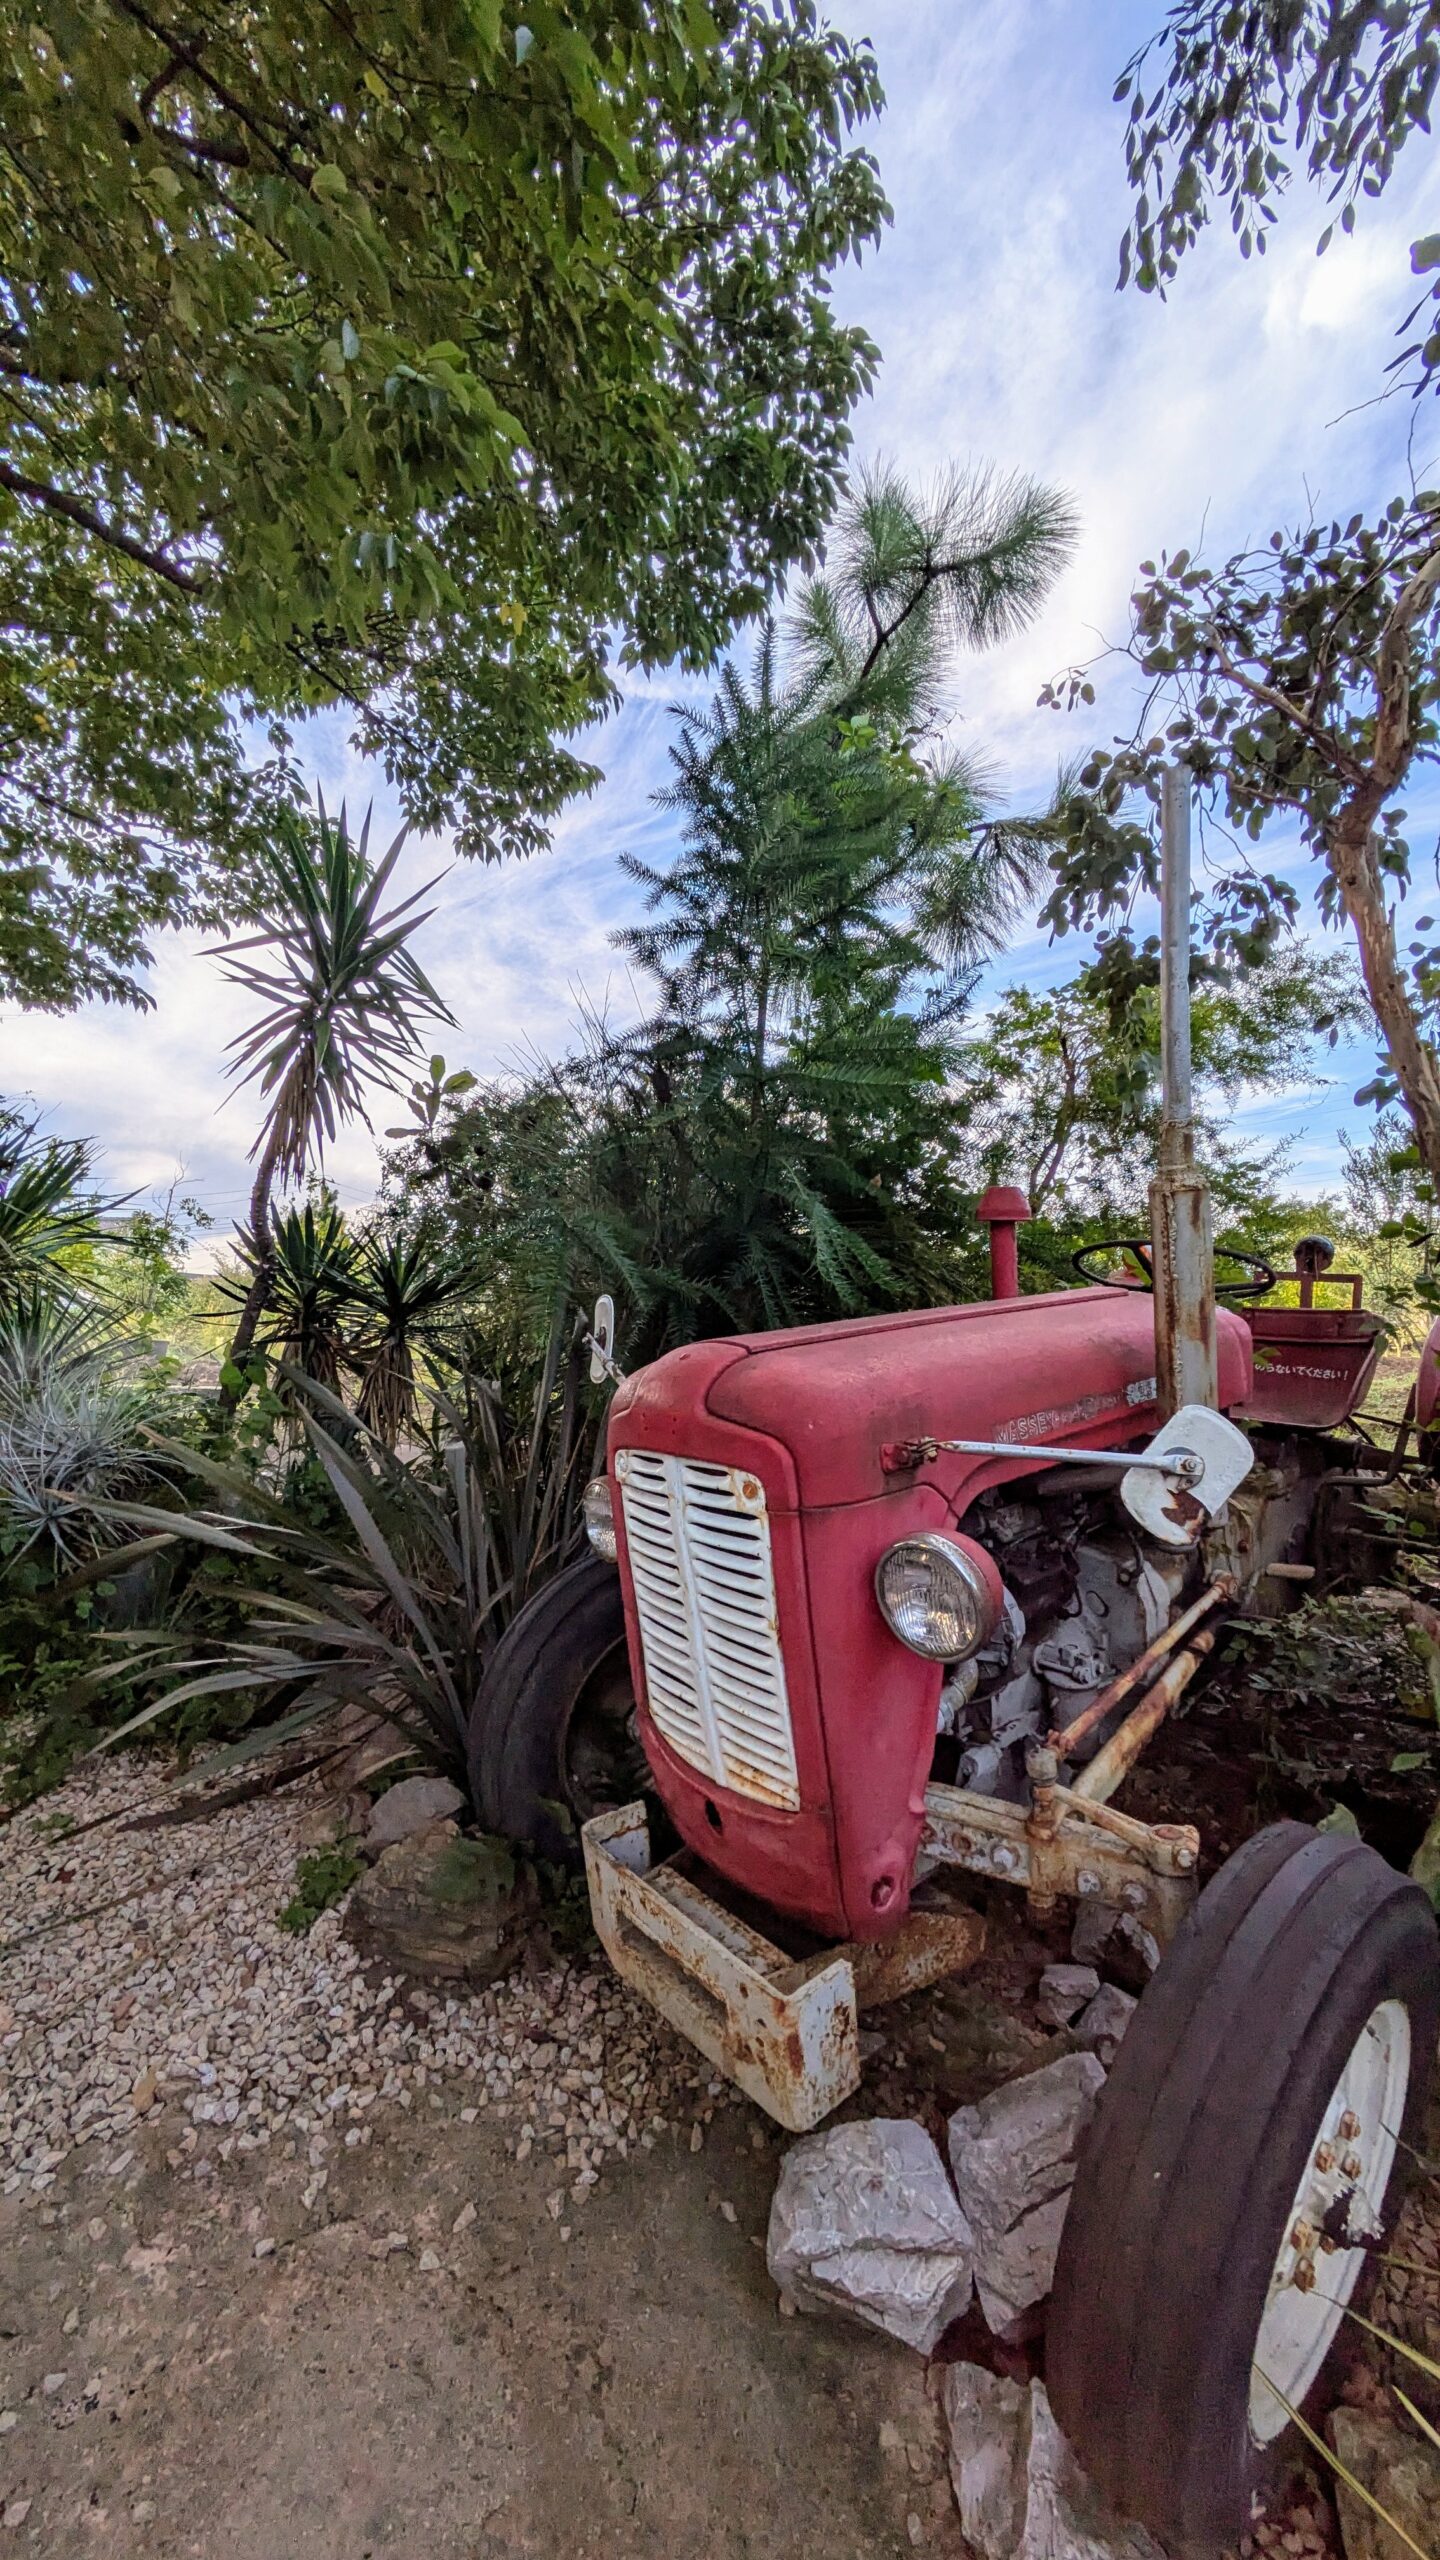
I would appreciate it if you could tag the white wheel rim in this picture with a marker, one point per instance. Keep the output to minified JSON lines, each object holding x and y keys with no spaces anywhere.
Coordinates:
{"x":1343,"y":2184}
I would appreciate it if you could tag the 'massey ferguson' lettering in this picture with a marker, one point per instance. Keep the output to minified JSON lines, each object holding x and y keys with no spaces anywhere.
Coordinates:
{"x":1059,"y":1417}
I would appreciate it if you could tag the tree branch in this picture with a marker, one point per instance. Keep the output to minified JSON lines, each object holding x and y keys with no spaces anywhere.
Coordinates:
{"x":1392,"y":674}
{"x":58,"y":502}
{"x":1275,"y":700}
{"x":189,"y":55}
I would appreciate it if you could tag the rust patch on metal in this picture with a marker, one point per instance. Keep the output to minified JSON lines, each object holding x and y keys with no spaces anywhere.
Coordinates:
{"x":930,"y":1947}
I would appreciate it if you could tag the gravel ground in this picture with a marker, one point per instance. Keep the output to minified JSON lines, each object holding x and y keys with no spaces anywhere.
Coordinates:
{"x":184,"y":2083}
{"x":145,"y":1968}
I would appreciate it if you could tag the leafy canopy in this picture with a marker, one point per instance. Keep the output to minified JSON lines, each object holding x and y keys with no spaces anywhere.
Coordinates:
{"x":1245,"y":88}
{"x":1063,"y":1083}
{"x":1301,"y":681}
{"x":395,"y":359}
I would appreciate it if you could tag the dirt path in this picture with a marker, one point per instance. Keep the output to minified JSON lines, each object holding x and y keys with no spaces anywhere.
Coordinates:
{"x":612,"y":2377}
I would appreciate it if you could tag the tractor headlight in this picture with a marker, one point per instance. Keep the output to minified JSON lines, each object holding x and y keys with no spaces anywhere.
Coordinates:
{"x":599,"y":1509}
{"x":941,"y":1596}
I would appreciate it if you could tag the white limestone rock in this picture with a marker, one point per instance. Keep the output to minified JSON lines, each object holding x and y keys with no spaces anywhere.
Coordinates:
{"x":1012,"y":2158}
{"x":410,"y":1807}
{"x":1103,"y":2021}
{"x":1063,"y":1993}
{"x":1020,"y":2491}
{"x":865,"y":2221}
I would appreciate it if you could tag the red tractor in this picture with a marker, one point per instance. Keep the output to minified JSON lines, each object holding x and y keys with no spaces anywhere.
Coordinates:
{"x":885,"y":1606}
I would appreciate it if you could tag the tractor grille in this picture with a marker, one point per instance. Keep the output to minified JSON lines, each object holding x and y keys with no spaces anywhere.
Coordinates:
{"x":698,"y":1542}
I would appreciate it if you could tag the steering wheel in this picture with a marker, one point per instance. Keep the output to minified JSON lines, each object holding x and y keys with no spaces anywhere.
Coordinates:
{"x":1236,"y":1291}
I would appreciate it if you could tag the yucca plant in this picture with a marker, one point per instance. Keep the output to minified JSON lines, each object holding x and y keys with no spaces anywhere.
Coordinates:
{"x":314,"y":1262}
{"x":342,"y":1001}
{"x":45,"y":1206}
{"x":408,"y":1288}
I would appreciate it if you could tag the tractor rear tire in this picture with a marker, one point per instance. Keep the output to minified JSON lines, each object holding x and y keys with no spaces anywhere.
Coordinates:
{"x":1300,"y":1999}
{"x":557,"y":1690}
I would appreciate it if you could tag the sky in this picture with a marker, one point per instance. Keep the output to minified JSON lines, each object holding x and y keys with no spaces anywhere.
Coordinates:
{"x":1246,"y":400}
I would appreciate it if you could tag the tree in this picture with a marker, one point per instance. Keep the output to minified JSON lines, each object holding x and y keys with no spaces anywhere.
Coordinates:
{"x":343,"y":1002}
{"x":1063,"y":1084}
{"x":1244,"y":90}
{"x":776,"y":1142}
{"x":1300,"y":680}
{"x":395,"y":360}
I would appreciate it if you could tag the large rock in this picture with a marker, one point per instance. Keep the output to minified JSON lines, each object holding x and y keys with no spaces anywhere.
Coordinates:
{"x":409,"y":1807}
{"x":1064,"y":1991}
{"x":1020,"y":2491}
{"x":1116,"y":1942}
{"x":1399,"y":2471}
{"x":1013,"y":2161}
{"x":445,"y":1908}
{"x":864,"y":2221}
{"x":1103,"y":2021}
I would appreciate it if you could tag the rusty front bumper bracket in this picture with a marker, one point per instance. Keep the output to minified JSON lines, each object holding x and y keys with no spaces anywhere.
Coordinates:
{"x":786,"y":2032}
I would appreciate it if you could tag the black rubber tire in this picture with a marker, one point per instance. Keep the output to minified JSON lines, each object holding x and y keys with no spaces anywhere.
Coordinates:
{"x":550,"y":1653}
{"x":1190,"y":2165}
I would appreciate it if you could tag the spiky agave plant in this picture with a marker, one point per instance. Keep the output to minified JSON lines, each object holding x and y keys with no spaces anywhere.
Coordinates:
{"x":74,"y":1429}
{"x":401,"y":1606}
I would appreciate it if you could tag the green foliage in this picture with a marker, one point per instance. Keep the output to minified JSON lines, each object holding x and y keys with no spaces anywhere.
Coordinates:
{"x":358,"y":1306}
{"x":1064,"y":1084}
{"x":395,"y":1590}
{"x":1244,"y":92}
{"x":322,"y":1877}
{"x":48,"y":1212}
{"x":1262,"y":681}
{"x":311,"y":1289}
{"x":342,"y":995}
{"x":342,"y":999}
{"x":1298,"y":681}
{"x":427,"y":1097}
{"x":774,"y":1144}
{"x":398,"y":360}
{"x":73,"y":1422}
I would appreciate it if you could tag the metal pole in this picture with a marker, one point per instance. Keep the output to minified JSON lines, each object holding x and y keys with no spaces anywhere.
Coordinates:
{"x":1177,"y":1132}
{"x":1182,"y":1245}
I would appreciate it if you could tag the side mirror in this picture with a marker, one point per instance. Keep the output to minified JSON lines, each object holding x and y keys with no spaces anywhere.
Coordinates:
{"x":1212,"y":1457}
{"x":602,"y":1342}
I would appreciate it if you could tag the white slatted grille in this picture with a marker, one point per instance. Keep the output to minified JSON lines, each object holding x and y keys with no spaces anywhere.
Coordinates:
{"x":698,"y":1541}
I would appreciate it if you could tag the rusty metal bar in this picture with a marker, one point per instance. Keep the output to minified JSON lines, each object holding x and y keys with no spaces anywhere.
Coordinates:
{"x":1136,"y":1673}
{"x":1101,"y":1776}
{"x":1181,"y":1240}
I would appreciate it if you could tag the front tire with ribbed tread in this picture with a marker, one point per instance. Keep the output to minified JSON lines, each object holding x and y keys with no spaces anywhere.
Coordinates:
{"x":1190,"y":2167}
{"x":561,"y":1660}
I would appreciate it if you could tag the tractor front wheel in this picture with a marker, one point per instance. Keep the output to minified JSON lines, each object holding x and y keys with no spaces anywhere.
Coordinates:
{"x":1244,"y":2160}
{"x":554,"y":1737}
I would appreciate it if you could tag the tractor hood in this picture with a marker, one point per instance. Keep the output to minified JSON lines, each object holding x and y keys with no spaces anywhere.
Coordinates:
{"x":1072,"y":1367}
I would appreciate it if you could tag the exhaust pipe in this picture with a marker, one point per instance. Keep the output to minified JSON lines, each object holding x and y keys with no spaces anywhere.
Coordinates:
{"x":1181,"y":1235}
